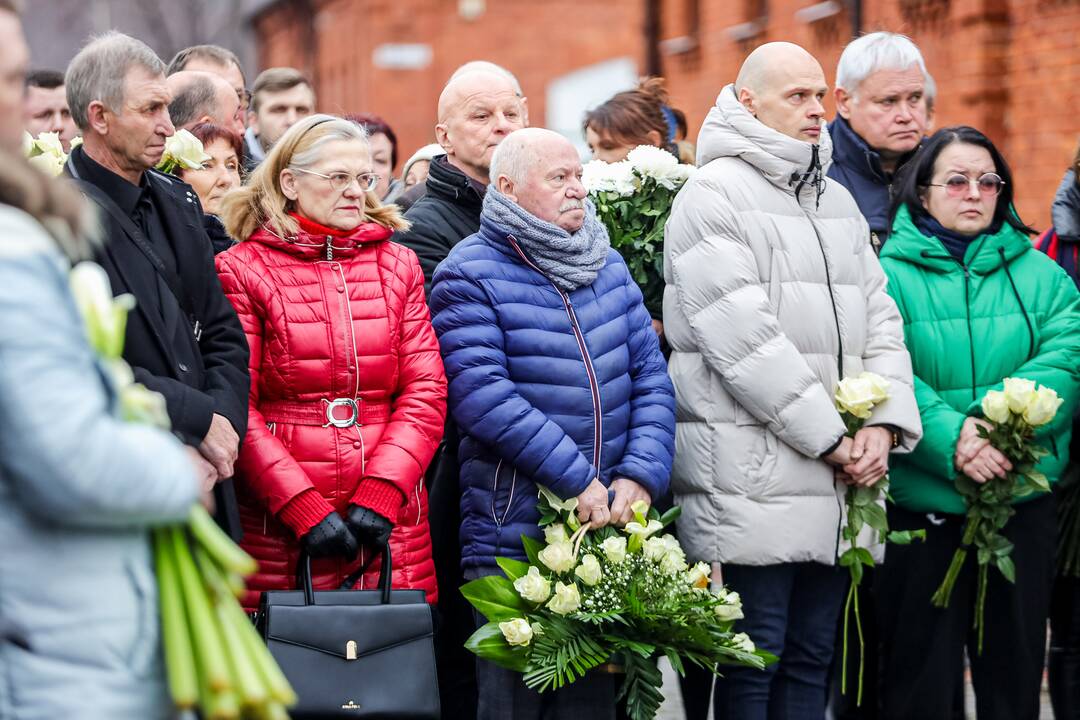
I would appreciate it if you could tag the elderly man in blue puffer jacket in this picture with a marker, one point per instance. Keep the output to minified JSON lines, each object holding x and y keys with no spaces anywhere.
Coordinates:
{"x":556,"y":376}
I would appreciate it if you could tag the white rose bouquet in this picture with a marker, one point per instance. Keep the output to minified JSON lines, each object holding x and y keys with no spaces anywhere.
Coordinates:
{"x":182,"y":151}
{"x":856,"y":397}
{"x":588,"y":596}
{"x":633,"y":199}
{"x":1014,"y":413}
{"x":45,"y":152}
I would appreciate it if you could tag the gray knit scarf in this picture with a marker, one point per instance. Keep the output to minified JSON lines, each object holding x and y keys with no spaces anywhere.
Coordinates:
{"x":571,"y":260}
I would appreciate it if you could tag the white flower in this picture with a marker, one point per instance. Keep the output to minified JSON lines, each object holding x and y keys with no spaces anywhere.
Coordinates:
{"x":743,"y":642}
{"x":27,"y":143}
{"x":567,"y":599}
{"x":698,"y":576}
{"x":533,"y":586}
{"x":51,"y":165}
{"x":1043,"y":407}
{"x":677,"y":177}
{"x":615,"y":549}
{"x":598,"y":176}
{"x":858,"y":395}
{"x":49,"y":143}
{"x":635,"y":528}
{"x":731,"y":609}
{"x":623,"y":178}
{"x":517,"y":631}
{"x":555,"y":533}
{"x":995,"y":406}
{"x":75,"y":142}
{"x":588,"y":571}
{"x":652,"y":161}
{"x":184,"y":150}
{"x":141,"y":405}
{"x":104,"y":316}
{"x":558,"y":557}
{"x":1019,"y":393}
{"x":674,"y":562}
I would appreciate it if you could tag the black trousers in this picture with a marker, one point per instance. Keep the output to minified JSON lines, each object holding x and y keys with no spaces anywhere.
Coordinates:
{"x":1063,"y":666}
{"x":921,"y":645}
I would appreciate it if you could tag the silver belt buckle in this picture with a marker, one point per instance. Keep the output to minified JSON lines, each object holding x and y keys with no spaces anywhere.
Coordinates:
{"x":339,"y":422}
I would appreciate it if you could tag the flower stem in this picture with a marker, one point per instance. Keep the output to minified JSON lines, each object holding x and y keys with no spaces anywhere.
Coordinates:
{"x":847,"y":615}
{"x":944,"y":591}
{"x":980,"y":607}
{"x":862,"y":647}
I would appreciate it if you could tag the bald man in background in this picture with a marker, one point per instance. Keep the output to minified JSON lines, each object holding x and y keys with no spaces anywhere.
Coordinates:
{"x":773,"y":294}
{"x":481,"y":104}
{"x":204,"y":97}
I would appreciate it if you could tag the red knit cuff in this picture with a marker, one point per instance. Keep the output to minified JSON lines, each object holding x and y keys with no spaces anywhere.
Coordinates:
{"x":382,"y":496}
{"x":305,"y":511}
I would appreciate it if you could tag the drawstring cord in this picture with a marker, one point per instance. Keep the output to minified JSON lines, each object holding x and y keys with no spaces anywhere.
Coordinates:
{"x":1023,"y":309}
{"x":812,"y":175}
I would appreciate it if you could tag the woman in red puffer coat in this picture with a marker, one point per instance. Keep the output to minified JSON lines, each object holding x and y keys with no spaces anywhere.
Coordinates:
{"x":348,"y":393}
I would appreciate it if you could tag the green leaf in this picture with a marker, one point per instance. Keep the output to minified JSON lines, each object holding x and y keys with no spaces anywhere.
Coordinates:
{"x":1039,"y":481}
{"x":671,"y":516}
{"x":875,"y":517}
{"x":906,"y":537}
{"x":532,"y":549}
{"x":865,"y":557}
{"x":488,"y":642}
{"x":495,"y":598}
{"x":1007,"y":568}
{"x":513,"y":568}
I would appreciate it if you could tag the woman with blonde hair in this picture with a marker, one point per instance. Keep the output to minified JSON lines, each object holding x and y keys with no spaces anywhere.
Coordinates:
{"x":348,"y":394}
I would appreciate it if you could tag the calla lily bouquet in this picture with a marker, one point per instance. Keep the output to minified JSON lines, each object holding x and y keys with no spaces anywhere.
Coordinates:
{"x":1015,"y":414}
{"x":214,"y":658}
{"x":183,"y":151}
{"x":856,"y":397}
{"x":633,"y":199}
{"x":588,"y":596}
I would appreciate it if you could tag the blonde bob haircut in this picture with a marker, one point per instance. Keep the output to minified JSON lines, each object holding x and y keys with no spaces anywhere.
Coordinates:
{"x":261,"y":202}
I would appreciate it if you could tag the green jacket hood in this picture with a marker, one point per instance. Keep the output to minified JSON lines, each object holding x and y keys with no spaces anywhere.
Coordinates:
{"x":985,"y":254}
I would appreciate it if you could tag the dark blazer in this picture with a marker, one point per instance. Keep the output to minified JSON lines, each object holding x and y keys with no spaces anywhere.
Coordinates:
{"x":196,"y":385}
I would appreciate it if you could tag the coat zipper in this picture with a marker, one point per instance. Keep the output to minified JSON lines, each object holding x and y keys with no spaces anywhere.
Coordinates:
{"x":967,"y":308}
{"x":590,"y":371}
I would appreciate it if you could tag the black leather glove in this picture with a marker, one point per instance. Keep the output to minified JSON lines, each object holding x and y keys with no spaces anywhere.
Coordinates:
{"x":331,"y":537}
{"x":368,"y":526}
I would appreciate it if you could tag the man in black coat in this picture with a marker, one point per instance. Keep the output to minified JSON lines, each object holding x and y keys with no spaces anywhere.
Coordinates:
{"x":183,"y":338}
{"x":480,"y":105}
{"x":884,"y":104}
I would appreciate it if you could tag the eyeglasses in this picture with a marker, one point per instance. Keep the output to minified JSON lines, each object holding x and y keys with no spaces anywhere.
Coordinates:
{"x":340,"y":180}
{"x":957,"y":185}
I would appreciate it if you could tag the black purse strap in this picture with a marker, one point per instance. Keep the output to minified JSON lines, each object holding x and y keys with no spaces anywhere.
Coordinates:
{"x":303,"y":575}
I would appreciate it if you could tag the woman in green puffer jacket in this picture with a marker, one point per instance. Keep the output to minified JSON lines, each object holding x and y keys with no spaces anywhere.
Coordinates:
{"x":979,"y":304}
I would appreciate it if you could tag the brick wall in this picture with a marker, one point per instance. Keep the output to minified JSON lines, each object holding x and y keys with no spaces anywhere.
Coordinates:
{"x":1009,"y":67}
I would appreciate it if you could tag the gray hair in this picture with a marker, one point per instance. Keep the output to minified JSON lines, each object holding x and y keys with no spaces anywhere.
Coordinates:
{"x":485,"y":66}
{"x":866,"y":55}
{"x":331,"y":129}
{"x":194,"y":100}
{"x":99,"y":70}
{"x":517,"y":153}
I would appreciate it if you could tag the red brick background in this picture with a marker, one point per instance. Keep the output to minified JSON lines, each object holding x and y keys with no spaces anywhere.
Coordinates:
{"x":1008,"y":67}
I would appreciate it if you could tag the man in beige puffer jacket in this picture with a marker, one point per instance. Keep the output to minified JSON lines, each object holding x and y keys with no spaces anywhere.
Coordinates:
{"x":774,"y":294}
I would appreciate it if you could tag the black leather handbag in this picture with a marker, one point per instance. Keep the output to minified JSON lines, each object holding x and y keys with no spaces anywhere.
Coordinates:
{"x":353,"y":653}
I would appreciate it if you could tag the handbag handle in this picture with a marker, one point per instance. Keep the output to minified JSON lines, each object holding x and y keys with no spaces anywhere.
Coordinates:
{"x":303,"y":575}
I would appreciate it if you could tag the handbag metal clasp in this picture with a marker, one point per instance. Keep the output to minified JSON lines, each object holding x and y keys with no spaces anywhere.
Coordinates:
{"x":350,"y":650}
{"x":338,"y":422}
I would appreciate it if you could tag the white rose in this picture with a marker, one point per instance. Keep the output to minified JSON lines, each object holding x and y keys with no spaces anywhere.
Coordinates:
{"x":27,"y":143}
{"x":533,"y":586}
{"x":654,"y":549}
{"x":698,"y":576}
{"x":104,"y":316}
{"x":567,"y":599}
{"x":1043,"y":407}
{"x":652,"y":161}
{"x":615,"y":549}
{"x":1019,"y":393}
{"x":51,"y":165}
{"x":588,"y":571}
{"x":185,"y":150}
{"x":674,"y":561}
{"x":559,"y":557}
{"x":743,"y":642}
{"x":517,"y":631}
{"x":49,"y":143}
{"x":731,"y":609}
{"x":75,"y":142}
{"x":555,"y":533}
{"x":879,"y":386}
{"x":855,"y":396}
{"x":995,"y":407}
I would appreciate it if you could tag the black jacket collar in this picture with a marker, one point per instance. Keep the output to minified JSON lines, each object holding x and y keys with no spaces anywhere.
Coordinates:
{"x":449,"y":183}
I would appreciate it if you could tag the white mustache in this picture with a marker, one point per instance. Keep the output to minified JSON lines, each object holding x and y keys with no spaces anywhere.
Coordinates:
{"x":572,"y":205}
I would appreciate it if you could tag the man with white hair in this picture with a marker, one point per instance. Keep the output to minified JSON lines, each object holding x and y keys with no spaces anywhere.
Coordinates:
{"x":555,"y":378}
{"x":884,"y":104}
{"x":773,"y":295}
{"x":183,"y":338}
